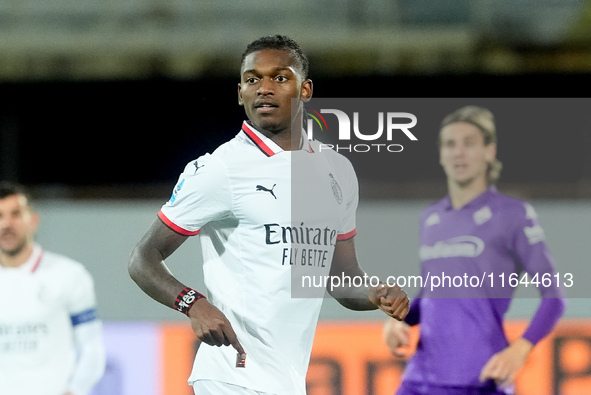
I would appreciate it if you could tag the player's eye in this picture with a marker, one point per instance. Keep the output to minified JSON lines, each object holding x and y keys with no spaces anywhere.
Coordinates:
{"x":251,"y":80}
{"x":281,"y":78}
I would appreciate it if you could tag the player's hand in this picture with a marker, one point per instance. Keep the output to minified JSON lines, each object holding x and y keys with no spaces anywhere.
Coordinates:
{"x":504,"y":365}
{"x":212,"y":327}
{"x":396,"y":335}
{"x":391,"y":300}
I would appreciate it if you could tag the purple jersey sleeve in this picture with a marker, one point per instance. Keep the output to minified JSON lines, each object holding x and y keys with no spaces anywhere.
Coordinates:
{"x":547,"y":315}
{"x":530,"y":248}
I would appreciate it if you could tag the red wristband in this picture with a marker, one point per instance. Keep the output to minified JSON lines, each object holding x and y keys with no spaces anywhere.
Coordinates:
{"x":185,"y":300}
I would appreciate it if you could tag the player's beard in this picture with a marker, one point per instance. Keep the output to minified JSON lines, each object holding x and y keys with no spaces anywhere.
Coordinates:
{"x":15,"y":249}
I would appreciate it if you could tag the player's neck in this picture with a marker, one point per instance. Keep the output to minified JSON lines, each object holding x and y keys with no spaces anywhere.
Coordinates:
{"x":284,"y":140}
{"x":462,"y":194}
{"x":17,"y":259}
{"x":287,"y":139}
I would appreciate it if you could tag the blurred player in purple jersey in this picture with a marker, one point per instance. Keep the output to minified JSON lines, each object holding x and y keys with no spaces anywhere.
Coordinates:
{"x":476,"y":233}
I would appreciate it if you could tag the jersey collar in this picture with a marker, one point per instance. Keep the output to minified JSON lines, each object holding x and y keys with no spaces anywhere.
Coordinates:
{"x":32,"y":263}
{"x":265,"y":144}
{"x":491,"y":190}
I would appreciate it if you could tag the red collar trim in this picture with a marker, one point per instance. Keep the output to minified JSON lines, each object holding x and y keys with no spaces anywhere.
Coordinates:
{"x":253,"y":134}
{"x":37,"y":262}
{"x":266,"y":145}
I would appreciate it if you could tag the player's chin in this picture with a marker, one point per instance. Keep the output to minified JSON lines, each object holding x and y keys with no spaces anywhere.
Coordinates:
{"x":270,"y":124}
{"x":11,"y":247}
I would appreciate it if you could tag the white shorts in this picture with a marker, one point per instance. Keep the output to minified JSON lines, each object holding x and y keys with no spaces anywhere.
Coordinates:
{"x":213,"y":387}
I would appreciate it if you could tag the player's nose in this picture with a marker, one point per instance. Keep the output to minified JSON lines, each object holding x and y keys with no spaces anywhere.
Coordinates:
{"x":265,"y":87}
{"x":458,"y":151}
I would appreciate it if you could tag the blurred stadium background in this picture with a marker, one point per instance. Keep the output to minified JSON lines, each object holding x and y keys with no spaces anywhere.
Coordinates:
{"x":103,"y":103}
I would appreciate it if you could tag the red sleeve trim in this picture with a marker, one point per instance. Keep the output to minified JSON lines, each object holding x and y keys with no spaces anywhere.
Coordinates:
{"x":345,"y":236}
{"x":174,"y":226}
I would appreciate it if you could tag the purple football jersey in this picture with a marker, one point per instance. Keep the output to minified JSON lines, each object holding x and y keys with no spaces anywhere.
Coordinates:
{"x":471,"y":262}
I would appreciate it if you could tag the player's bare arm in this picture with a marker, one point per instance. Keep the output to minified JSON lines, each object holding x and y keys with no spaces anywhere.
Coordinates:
{"x":391,"y":300}
{"x":146,"y":265}
{"x":147,"y":268}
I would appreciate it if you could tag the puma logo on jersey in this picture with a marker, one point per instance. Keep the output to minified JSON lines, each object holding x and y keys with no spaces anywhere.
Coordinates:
{"x":262,"y":188}
{"x":197,"y":167}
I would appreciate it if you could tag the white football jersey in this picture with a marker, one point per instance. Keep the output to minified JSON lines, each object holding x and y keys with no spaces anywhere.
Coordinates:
{"x":266,"y":217}
{"x":40,"y":303}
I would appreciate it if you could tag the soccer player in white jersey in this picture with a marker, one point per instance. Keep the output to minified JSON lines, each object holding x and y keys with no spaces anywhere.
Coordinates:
{"x":463,"y":349}
{"x":50,"y":337}
{"x":243,"y":202}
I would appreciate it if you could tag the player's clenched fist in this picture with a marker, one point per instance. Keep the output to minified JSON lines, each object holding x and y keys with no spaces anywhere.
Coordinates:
{"x":212,"y":327}
{"x":391,"y":300}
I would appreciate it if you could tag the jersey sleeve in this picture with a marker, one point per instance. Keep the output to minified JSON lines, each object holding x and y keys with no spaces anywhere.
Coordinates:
{"x":202,"y":194}
{"x":91,"y":359}
{"x":87,"y":331}
{"x":81,"y":302}
{"x":351,"y":199}
{"x":531,"y":250}
{"x":529,"y":246}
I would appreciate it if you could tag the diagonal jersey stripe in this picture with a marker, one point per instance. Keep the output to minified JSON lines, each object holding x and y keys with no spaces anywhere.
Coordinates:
{"x":257,"y":140}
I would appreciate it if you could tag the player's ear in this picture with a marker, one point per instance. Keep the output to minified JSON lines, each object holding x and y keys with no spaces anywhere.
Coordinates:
{"x":240,"y":101}
{"x":490,"y":152}
{"x":34,"y":223}
{"x":306,"y":91}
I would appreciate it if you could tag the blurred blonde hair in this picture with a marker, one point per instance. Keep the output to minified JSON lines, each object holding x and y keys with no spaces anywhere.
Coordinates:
{"x":484,"y":120}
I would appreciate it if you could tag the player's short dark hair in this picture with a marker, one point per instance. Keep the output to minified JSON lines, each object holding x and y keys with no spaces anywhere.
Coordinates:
{"x":9,"y":188}
{"x":283,"y":43}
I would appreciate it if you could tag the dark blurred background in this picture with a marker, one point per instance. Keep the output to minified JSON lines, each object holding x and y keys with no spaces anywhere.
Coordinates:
{"x":111,"y":99}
